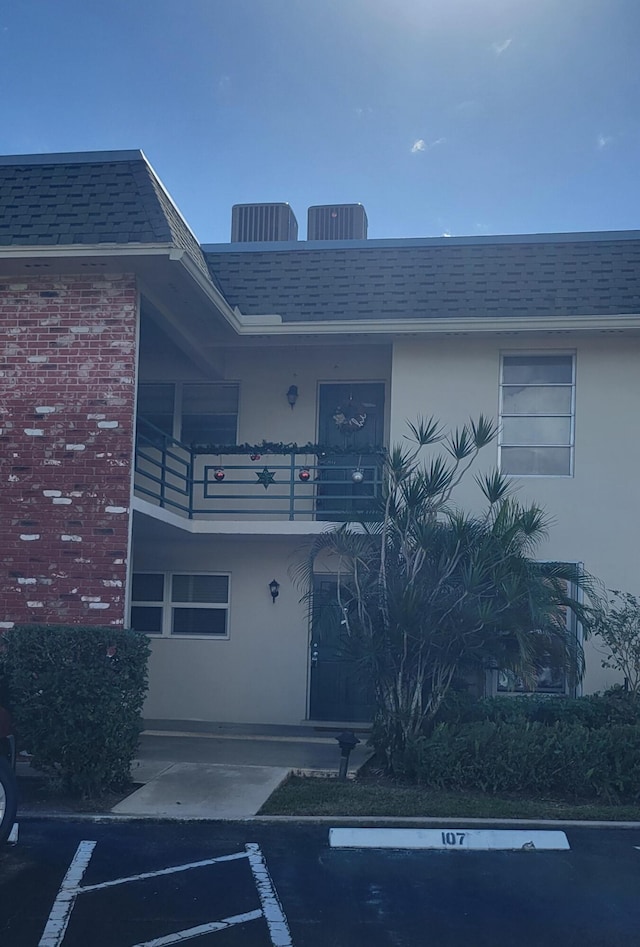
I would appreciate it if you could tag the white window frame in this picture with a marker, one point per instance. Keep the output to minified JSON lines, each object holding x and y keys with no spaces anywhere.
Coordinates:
{"x":167,"y":605}
{"x":533,"y":353}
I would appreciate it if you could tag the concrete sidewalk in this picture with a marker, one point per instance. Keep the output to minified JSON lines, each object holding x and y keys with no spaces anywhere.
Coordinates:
{"x":229,"y":773}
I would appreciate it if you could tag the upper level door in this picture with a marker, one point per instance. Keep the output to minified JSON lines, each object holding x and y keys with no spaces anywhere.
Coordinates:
{"x":351,"y":418}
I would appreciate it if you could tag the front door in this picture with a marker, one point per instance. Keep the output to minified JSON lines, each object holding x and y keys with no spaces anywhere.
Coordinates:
{"x":340,"y":689}
{"x":340,"y":495}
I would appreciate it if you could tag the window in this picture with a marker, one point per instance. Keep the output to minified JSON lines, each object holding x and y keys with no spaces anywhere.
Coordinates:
{"x":156,"y":405}
{"x":537,"y":415}
{"x":175,"y":604}
{"x":551,"y":679}
{"x":208,"y":413}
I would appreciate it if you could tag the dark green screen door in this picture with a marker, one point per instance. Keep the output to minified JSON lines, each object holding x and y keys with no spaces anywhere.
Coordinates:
{"x":339,"y":498}
{"x":340,"y":689}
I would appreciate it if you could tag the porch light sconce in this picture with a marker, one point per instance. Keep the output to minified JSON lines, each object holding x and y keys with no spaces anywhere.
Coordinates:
{"x":292,"y":395}
{"x":274,"y":588}
{"x":357,"y":475}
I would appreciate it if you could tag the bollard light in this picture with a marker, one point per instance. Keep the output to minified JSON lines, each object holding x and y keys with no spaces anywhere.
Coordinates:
{"x":347,"y":741}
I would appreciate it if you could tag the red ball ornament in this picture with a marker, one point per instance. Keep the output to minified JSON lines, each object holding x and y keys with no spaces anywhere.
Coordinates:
{"x":218,"y":474}
{"x":255,"y":456}
{"x":304,"y":475}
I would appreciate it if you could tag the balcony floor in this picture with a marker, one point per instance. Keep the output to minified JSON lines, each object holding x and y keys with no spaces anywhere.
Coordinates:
{"x":229,"y":527}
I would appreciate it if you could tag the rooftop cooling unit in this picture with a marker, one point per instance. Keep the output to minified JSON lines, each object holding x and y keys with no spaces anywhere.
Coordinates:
{"x":254,"y":223}
{"x":337,"y":222}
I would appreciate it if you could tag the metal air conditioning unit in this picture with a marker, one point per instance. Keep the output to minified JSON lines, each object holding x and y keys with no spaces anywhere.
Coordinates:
{"x":337,"y":222}
{"x":256,"y":223}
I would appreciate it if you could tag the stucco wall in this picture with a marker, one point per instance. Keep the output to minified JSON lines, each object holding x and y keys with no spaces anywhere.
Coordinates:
{"x":595,"y":512}
{"x":266,"y":372}
{"x":67,"y":384}
{"x":258,"y":675}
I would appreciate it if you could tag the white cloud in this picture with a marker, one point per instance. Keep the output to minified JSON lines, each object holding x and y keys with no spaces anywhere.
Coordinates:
{"x":499,"y":48}
{"x":603,"y":140}
{"x":363,"y":112}
{"x":422,"y":145}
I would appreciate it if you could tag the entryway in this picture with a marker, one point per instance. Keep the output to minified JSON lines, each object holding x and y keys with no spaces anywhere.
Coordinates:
{"x":340,"y":689}
{"x":350,"y":420}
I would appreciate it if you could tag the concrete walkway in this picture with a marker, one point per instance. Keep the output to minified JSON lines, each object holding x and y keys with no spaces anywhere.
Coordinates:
{"x":227,"y":774}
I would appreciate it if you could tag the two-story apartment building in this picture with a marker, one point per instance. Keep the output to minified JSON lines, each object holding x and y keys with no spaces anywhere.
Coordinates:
{"x":178,"y":419}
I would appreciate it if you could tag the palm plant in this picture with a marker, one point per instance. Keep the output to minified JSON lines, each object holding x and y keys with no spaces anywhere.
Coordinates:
{"x":430,"y":593}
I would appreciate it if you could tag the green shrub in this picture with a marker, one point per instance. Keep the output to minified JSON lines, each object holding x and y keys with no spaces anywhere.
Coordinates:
{"x":76,"y":695}
{"x":564,"y":760}
{"x":598,"y":710}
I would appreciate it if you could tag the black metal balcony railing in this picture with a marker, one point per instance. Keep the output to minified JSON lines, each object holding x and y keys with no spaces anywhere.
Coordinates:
{"x":293,"y":485}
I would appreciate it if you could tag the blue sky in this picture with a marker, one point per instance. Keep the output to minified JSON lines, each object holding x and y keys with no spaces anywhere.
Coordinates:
{"x":440,"y":116}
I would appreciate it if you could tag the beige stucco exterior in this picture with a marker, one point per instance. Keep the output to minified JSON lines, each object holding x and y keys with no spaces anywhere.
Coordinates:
{"x":260,"y":673}
{"x":594,"y":513}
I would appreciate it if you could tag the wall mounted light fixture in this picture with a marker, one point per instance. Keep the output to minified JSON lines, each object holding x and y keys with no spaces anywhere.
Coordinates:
{"x":274,"y":588}
{"x":292,"y":395}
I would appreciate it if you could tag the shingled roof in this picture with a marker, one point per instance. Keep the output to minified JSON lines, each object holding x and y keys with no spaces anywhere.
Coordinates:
{"x":88,"y":198}
{"x":568,"y":274}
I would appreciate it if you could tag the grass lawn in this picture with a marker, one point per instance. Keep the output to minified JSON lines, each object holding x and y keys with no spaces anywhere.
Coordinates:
{"x":308,"y":796}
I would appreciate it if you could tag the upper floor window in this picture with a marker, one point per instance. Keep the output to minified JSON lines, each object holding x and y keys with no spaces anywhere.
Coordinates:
{"x":209,"y":414}
{"x":205,"y":413}
{"x":537,"y":407}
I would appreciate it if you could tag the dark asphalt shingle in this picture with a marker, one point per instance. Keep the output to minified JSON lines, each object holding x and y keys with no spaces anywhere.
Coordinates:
{"x":559,"y":277}
{"x":73,"y":200}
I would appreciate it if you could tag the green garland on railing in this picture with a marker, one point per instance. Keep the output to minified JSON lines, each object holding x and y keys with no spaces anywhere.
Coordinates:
{"x":279,"y":447}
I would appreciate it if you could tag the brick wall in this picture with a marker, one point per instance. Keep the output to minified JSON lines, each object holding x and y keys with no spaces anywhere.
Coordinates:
{"x":67,"y":388}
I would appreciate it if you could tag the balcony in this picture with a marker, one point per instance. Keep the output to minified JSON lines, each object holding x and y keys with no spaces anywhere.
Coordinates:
{"x":274,"y":484}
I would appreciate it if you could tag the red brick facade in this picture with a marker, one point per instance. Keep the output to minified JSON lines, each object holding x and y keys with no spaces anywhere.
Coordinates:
{"x":67,"y":395}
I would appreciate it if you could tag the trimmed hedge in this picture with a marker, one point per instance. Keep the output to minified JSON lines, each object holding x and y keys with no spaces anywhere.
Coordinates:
{"x":614,"y":707}
{"x":76,"y":696}
{"x":566,"y":760}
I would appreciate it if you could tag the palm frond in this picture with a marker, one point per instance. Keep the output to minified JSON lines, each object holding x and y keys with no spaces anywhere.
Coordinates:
{"x":494,"y":486}
{"x":483,"y":431}
{"x":460,"y":443}
{"x":425,"y":431}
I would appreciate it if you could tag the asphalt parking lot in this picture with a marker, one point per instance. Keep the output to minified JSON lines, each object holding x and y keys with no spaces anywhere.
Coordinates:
{"x":145,"y":884}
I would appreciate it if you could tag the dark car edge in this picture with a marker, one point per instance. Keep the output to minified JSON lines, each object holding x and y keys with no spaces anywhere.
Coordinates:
{"x":8,"y":786}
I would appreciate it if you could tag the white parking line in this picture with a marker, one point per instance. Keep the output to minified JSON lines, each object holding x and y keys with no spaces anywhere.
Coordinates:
{"x":271,"y":907}
{"x":192,"y":932}
{"x":163,"y":871}
{"x":71,"y":888}
{"x":56,"y":928}
{"x":450,"y":839}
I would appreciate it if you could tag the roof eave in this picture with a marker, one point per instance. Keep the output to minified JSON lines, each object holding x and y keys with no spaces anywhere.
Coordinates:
{"x":60,"y":251}
{"x":439,"y":325}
